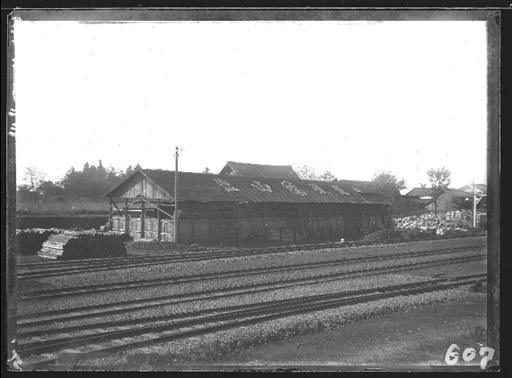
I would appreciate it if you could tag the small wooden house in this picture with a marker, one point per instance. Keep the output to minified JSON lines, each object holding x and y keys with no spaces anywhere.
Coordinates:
{"x":236,"y":209}
{"x":451,"y":199}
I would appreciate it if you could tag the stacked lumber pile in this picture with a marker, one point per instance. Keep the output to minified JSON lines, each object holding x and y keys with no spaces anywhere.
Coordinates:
{"x":31,"y":240}
{"x":83,"y":244}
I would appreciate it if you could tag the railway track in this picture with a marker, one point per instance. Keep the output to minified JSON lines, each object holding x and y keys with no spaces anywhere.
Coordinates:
{"x":132,"y":334}
{"x":98,"y":288}
{"x":63,"y":267}
{"x":37,"y":319}
{"x":29,"y":322}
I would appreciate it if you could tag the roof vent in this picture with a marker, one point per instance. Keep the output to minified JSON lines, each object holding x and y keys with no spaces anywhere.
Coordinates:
{"x":318,"y":189}
{"x":339,"y":190}
{"x":262,"y":187}
{"x":293,"y":188}
{"x":225,"y":185}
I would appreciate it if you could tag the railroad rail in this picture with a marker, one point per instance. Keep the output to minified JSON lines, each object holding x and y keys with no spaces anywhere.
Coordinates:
{"x":66,"y":267}
{"x":134,"y":334}
{"x":78,"y":290}
{"x":34,"y":320}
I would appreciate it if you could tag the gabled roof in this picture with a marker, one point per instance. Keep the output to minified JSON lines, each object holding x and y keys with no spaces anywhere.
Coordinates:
{"x":218,"y":188}
{"x":479,"y":188}
{"x":258,"y":170}
{"x":426,"y":192}
{"x":419,"y":192}
{"x":459,"y":193}
{"x":366,"y":187}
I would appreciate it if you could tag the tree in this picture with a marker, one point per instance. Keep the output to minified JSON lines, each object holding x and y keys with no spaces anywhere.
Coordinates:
{"x":305,"y":172}
{"x":439,"y":181}
{"x":387,"y":179}
{"x":389,"y":185}
{"x":91,"y":183}
{"x":48,"y":189}
{"x":23,"y":193}
{"x":327,"y":176}
{"x":206,"y":170}
{"x":33,"y":177}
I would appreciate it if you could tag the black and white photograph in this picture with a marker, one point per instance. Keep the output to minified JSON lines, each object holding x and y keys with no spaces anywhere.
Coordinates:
{"x":255,"y":189}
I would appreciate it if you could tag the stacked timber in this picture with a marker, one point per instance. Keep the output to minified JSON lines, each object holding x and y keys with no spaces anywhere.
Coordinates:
{"x":83,"y":244}
{"x":31,"y":240}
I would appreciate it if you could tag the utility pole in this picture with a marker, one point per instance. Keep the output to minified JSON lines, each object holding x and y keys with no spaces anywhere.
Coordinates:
{"x":474,"y":205}
{"x":176,"y":154}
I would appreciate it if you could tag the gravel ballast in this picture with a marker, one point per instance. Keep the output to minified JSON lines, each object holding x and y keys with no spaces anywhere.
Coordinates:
{"x":221,"y":282}
{"x":211,"y":347}
{"x":219,"y":292}
{"x":169,"y":269}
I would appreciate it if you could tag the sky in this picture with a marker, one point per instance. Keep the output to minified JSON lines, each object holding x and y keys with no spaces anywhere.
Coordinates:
{"x":352,"y":97}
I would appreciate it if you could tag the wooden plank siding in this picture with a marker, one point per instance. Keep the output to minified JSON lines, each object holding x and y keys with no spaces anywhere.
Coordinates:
{"x":228,"y":224}
{"x":140,"y":185}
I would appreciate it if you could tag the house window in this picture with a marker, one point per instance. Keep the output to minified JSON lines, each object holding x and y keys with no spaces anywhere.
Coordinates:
{"x":225,"y":185}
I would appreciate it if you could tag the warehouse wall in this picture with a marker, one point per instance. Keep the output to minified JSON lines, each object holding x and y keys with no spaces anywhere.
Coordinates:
{"x":245,"y":224}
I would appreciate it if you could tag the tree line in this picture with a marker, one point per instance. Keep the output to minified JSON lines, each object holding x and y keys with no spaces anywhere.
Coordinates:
{"x":90,"y":183}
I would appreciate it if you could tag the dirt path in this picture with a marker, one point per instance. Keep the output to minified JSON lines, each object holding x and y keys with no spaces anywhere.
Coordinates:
{"x":399,"y":340}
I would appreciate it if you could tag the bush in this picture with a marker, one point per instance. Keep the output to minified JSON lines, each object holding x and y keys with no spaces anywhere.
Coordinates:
{"x":382,"y":235}
{"x":440,"y":224}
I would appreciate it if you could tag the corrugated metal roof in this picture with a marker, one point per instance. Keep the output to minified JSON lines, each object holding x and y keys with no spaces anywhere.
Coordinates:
{"x":259,"y":170}
{"x":218,"y":188}
{"x":366,"y":187}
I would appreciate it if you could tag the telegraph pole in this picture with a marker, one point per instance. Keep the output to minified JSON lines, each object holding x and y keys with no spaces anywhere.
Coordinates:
{"x":474,"y":205}
{"x":176,"y":154}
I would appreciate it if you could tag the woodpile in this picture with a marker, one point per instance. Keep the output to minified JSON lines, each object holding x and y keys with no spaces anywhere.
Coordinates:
{"x":31,"y":240}
{"x":83,"y":244}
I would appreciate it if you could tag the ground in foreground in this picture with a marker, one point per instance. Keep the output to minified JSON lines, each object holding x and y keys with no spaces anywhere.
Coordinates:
{"x":414,"y":338}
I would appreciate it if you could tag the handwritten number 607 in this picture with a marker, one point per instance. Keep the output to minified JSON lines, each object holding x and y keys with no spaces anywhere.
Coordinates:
{"x":452,"y":356}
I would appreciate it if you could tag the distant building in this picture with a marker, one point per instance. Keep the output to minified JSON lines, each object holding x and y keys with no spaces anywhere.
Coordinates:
{"x":233,"y":168}
{"x":479,"y":188}
{"x":450,"y":199}
{"x":481,"y":192}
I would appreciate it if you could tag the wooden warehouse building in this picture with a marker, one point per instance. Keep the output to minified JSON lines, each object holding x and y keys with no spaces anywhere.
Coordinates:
{"x":269,"y":205}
